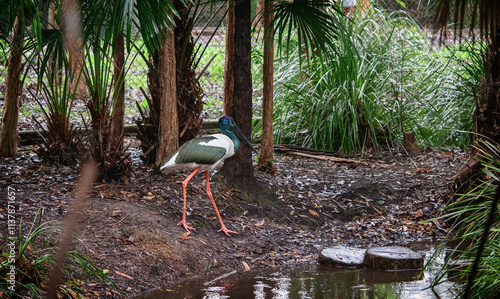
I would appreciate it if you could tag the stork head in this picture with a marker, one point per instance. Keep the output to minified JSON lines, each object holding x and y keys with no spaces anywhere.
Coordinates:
{"x":229,"y":127}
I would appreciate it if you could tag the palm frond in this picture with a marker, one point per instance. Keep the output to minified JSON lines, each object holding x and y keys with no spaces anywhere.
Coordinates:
{"x":313,"y":23}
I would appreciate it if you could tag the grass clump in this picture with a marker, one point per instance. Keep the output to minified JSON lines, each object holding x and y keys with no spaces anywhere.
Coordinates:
{"x":475,"y":219}
{"x":34,"y":261}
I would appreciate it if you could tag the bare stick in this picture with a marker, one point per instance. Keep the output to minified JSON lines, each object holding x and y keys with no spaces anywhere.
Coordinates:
{"x":88,"y":176}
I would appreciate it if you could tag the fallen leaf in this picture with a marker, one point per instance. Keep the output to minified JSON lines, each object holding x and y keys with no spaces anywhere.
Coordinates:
{"x":260,"y":224}
{"x":245,"y":265}
{"x":185,"y":236}
{"x":123,"y":274}
{"x":314,"y":213}
{"x":107,"y":195}
{"x":447,"y":154}
{"x":116,"y":213}
{"x":423,"y":169}
{"x":419,"y":213}
{"x":96,"y":293}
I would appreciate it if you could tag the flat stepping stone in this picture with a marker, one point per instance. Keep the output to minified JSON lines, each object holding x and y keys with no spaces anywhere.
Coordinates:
{"x":341,"y":256}
{"x":393,"y":258}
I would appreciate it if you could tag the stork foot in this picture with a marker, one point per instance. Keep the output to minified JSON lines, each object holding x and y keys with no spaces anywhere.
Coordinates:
{"x":186,"y":226}
{"x":227,"y":231}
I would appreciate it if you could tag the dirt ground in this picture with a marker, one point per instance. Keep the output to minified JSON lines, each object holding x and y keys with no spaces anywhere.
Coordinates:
{"x":130,"y":228}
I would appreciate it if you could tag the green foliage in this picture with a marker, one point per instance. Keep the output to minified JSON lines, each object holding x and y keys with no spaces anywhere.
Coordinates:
{"x":468,"y":215}
{"x":34,"y":261}
{"x":381,"y":80}
{"x":60,"y":143}
{"x":103,"y":147}
{"x":30,"y":13}
{"x":313,"y":24}
{"x":149,"y":17}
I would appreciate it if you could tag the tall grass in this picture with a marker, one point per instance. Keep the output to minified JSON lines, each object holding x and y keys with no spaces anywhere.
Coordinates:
{"x":385,"y":79}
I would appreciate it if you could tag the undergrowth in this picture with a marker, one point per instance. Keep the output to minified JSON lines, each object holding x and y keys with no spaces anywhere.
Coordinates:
{"x":475,"y":219}
{"x":385,"y":79}
{"x":34,"y":259}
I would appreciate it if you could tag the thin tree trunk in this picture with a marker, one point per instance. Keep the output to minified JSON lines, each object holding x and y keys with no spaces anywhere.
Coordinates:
{"x":168,"y":133}
{"x":71,"y":28}
{"x":228,"y":70}
{"x":266,"y":153}
{"x":259,"y":20}
{"x":119,"y":96}
{"x":9,"y":137}
{"x":53,"y":25}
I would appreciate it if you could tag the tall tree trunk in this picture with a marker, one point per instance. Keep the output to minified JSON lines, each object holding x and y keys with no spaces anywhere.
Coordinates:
{"x":266,"y":153}
{"x":118,"y":117}
{"x":9,"y":137}
{"x":238,"y":170}
{"x":228,"y":70}
{"x":168,"y":133}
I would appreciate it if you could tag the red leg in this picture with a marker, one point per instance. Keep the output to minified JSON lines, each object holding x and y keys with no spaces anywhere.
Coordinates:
{"x":209,"y":193}
{"x":184,"y":185}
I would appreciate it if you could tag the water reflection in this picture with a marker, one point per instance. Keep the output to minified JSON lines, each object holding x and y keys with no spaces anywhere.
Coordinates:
{"x":259,"y":289}
{"x":315,"y":282}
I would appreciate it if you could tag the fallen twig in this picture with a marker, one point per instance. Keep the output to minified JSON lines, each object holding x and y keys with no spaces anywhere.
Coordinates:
{"x":327,"y":158}
{"x":220,"y":277}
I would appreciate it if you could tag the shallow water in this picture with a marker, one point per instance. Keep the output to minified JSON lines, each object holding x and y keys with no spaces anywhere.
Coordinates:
{"x":316,"y":282}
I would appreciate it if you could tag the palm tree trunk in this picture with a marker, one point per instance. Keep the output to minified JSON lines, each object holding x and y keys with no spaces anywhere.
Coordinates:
{"x":266,"y":153}
{"x":487,"y":114}
{"x":168,"y":133}
{"x":119,"y":96}
{"x":9,"y":137}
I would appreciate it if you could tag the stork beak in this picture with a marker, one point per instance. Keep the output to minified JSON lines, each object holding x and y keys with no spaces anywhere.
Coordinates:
{"x":243,"y":138}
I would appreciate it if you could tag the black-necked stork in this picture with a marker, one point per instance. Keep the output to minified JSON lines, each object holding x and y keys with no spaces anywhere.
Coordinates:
{"x":205,"y":153}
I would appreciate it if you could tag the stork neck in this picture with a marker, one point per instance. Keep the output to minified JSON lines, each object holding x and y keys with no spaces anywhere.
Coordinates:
{"x":233,"y":138}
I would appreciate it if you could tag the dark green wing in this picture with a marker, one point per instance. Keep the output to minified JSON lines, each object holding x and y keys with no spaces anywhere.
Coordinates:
{"x":200,"y":151}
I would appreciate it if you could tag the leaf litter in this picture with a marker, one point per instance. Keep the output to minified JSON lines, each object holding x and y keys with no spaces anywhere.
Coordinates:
{"x":131,"y":228}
